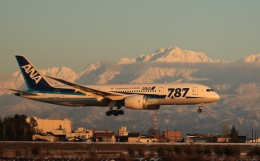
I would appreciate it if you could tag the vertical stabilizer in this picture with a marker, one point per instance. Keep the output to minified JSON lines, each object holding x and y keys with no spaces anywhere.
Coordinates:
{"x":33,"y":79}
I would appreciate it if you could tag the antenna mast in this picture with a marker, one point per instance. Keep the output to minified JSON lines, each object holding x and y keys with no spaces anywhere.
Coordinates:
{"x":155,"y":123}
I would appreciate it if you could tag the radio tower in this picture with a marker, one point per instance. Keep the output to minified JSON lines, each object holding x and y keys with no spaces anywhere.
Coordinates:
{"x":155,"y":123}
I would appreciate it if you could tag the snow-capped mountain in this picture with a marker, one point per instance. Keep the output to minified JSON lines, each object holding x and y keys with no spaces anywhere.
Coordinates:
{"x":237,"y":83}
{"x":251,"y":58}
{"x":62,"y":72}
{"x":91,"y":67}
{"x":16,"y":81}
{"x":171,"y":55}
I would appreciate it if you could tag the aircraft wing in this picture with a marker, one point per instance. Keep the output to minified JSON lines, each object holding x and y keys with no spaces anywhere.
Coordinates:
{"x":99,"y":93}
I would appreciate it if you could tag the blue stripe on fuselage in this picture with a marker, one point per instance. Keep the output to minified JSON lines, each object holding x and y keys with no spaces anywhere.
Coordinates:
{"x":58,"y":91}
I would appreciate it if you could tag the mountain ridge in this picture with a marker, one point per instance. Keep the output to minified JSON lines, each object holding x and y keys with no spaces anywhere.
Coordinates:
{"x":251,"y":58}
{"x":172,"y":55}
{"x":163,"y":55}
{"x":236,"y":82}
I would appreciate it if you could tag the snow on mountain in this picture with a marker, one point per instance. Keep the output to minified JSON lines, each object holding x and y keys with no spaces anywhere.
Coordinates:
{"x":247,"y":88}
{"x":4,"y":85}
{"x":170,"y":55}
{"x":108,"y":75}
{"x":13,"y":82}
{"x":155,"y":74}
{"x":175,"y":54}
{"x":16,"y":81}
{"x":60,"y":72}
{"x":237,"y":84}
{"x":90,"y":68}
{"x":90,"y":73}
{"x":126,"y":61}
{"x":251,"y":58}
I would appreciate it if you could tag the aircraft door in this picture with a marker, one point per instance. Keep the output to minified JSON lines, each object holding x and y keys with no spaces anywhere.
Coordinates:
{"x":194,"y":90}
{"x":160,"y":91}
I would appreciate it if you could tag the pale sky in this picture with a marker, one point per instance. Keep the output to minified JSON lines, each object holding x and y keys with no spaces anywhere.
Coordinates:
{"x":76,"y":33}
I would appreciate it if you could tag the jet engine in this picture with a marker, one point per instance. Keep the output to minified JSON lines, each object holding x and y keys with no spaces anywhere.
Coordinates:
{"x":139,"y":102}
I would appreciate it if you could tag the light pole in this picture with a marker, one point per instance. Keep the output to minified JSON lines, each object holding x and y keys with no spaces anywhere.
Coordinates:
{"x":4,"y":131}
{"x":175,"y":135}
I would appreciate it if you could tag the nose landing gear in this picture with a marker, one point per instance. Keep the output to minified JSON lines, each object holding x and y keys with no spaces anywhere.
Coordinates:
{"x":200,"y":106}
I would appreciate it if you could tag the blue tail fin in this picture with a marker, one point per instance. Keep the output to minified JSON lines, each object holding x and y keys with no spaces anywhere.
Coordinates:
{"x":33,"y":79}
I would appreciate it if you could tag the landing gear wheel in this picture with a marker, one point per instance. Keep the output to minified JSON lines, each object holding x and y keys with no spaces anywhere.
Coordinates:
{"x":121,"y":112}
{"x":109,"y":113}
{"x":199,"y":110}
{"x":115,"y":113}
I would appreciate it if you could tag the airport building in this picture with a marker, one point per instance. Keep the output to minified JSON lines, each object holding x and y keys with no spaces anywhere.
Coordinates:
{"x":104,"y":136}
{"x":55,"y":126}
{"x":173,"y":136}
{"x":210,"y":138}
{"x":147,"y":140}
{"x":54,"y":130}
{"x":81,"y":134}
{"x":60,"y":130}
{"x":200,"y":138}
{"x":134,"y":137}
{"x":122,"y":131}
{"x":45,"y":137}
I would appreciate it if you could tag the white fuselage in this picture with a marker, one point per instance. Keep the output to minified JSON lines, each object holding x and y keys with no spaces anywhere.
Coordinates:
{"x":132,"y":96}
{"x":157,"y":94}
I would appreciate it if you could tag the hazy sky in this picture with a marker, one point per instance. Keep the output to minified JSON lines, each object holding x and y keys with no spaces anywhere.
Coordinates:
{"x":77,"y":33}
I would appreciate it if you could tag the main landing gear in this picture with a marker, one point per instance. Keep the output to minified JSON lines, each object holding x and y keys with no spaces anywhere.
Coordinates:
{"x":200,"y":110}
{"x":114,"y":112}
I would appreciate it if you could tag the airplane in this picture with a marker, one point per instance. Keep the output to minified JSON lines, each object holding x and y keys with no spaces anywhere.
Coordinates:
{"x":133,"y":96}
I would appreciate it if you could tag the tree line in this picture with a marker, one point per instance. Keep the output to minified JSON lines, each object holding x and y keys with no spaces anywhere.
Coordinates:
{"x":17,"y":128}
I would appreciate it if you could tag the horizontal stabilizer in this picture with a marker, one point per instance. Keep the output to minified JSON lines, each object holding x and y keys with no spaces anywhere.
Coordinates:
{"x":24,"y":92}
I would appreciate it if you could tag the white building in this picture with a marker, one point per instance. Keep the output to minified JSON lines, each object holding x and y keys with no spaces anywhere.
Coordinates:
{"x":147,"y":140}
{"x":55,"y":126}
{"x":82,"y":133}
{"x":122,"y":131}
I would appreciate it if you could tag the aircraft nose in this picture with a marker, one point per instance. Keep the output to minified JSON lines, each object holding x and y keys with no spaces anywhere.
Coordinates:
{"x":216,"y":96}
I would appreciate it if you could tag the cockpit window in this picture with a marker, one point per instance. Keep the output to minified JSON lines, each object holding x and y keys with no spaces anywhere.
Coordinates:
{"x":209,"y":90}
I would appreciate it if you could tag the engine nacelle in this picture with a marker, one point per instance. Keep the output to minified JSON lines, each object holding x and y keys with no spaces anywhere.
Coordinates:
{"x":139,"y":102}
